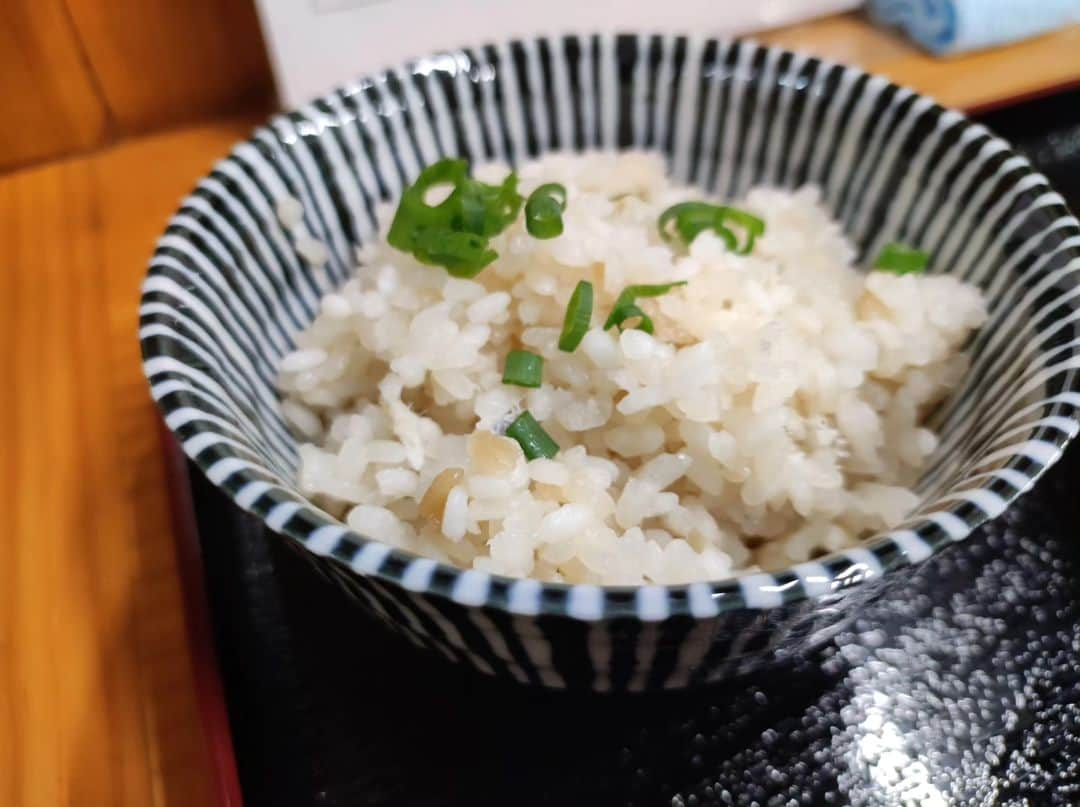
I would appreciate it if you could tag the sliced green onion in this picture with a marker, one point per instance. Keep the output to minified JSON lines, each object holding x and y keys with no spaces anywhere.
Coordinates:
{"x":621,"y":316}
{"x":532,"y":438}
{"x":524,"y":369}
{"x":461,"y":254}
{"x":489,"y":209}
{"x":751,"y":224}
{"x":455,"y":232}
{"x":688,"y":220}
{"x":625,"y":308}
{"x":901,"y":260}
{"x":544,"y":209}
{"x":578,"y":316}
{"x":414,"y":212}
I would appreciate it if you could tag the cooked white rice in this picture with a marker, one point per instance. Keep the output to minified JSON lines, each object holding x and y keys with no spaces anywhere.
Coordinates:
{"x":775,"y":415}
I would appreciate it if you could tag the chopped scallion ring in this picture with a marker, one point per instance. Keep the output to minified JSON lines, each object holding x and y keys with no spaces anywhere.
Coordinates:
{"x":625,"y":309}
{"x":901,"y":260}
{"x":622,"y":314}
{"x":753,"y":226}
{"x":523,"y":369}
{"x":455,"y":232}
{"x":578,"y":316}
{"x":460,"y":254}
{"x":530,"y":435}
{"x":544,"y":209}
{"x":688,"y":220}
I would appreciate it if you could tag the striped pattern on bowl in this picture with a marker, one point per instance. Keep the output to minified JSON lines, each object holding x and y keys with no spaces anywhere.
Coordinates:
{"x":226,"y":292}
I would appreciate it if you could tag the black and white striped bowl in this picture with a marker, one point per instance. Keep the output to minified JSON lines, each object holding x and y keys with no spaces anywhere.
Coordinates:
{"x":226,"y":293}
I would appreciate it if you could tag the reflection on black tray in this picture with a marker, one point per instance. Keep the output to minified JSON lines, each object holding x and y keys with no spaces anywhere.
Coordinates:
{"x":962,"y":689}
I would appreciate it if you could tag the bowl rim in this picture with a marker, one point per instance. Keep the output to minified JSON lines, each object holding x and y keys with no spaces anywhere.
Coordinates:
{"x":257,"y":491}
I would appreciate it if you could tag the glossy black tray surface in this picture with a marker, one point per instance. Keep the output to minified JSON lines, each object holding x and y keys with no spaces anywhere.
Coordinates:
{"x":961,"y":688}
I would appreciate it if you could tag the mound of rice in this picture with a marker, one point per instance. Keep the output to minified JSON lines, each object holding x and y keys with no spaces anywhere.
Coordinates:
{"x":774,"y":416}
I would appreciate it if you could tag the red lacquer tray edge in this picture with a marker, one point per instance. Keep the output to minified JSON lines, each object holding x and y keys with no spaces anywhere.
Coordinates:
{"x":210,"y":693}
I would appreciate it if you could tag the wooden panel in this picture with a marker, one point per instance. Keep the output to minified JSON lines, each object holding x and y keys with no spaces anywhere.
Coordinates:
{"x":160,"y":62}
{"x":97,"y":699}
{"x":994,"y":78}
{"x":973,"y":81}
{"x":71,"y":563}
{"x":74,"y":72}
{"x":48,"y":103}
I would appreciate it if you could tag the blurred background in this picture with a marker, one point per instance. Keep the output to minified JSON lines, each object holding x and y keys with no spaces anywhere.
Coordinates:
{"x":77,"y":75}
{"x":109,"y":686}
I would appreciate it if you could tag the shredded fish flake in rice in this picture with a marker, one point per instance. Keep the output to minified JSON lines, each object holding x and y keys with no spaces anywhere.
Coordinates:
{"x":775,"y":413}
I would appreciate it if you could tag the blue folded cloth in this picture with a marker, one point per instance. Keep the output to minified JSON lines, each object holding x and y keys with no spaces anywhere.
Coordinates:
{"x":954,"y":26}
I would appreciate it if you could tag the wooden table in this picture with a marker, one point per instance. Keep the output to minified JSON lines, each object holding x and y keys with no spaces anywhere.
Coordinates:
{"x":98,"y":696}
{"x":973,"y":82}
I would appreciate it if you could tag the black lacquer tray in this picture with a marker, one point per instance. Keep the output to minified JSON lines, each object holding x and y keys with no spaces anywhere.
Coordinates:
{"x":961,"y":688}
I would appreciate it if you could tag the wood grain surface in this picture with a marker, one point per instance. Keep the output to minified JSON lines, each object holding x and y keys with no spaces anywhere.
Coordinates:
{"x":972,"y":82}
{"x":97,"y":705}
{"x":159,"y":62}
{"x":77,"y":74}
{"x":49,"y":103}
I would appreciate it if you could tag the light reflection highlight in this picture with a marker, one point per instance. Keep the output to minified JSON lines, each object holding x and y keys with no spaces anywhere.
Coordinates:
{"x":883,"y":752}
{"x":449,"y":63}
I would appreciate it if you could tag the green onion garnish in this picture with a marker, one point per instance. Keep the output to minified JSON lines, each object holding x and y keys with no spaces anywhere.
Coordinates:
{"x":454,"y":234}
{"x":532,"y":438}
{"x":688,"y":220}
{"x":625,"y":309}
{"x":523,"y":369}
{"x":544,"y":209}
{"x":901,"y":260}
{"x":461,"y":254}
{"x":578,"y":316}
{"x":751,"y":224}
